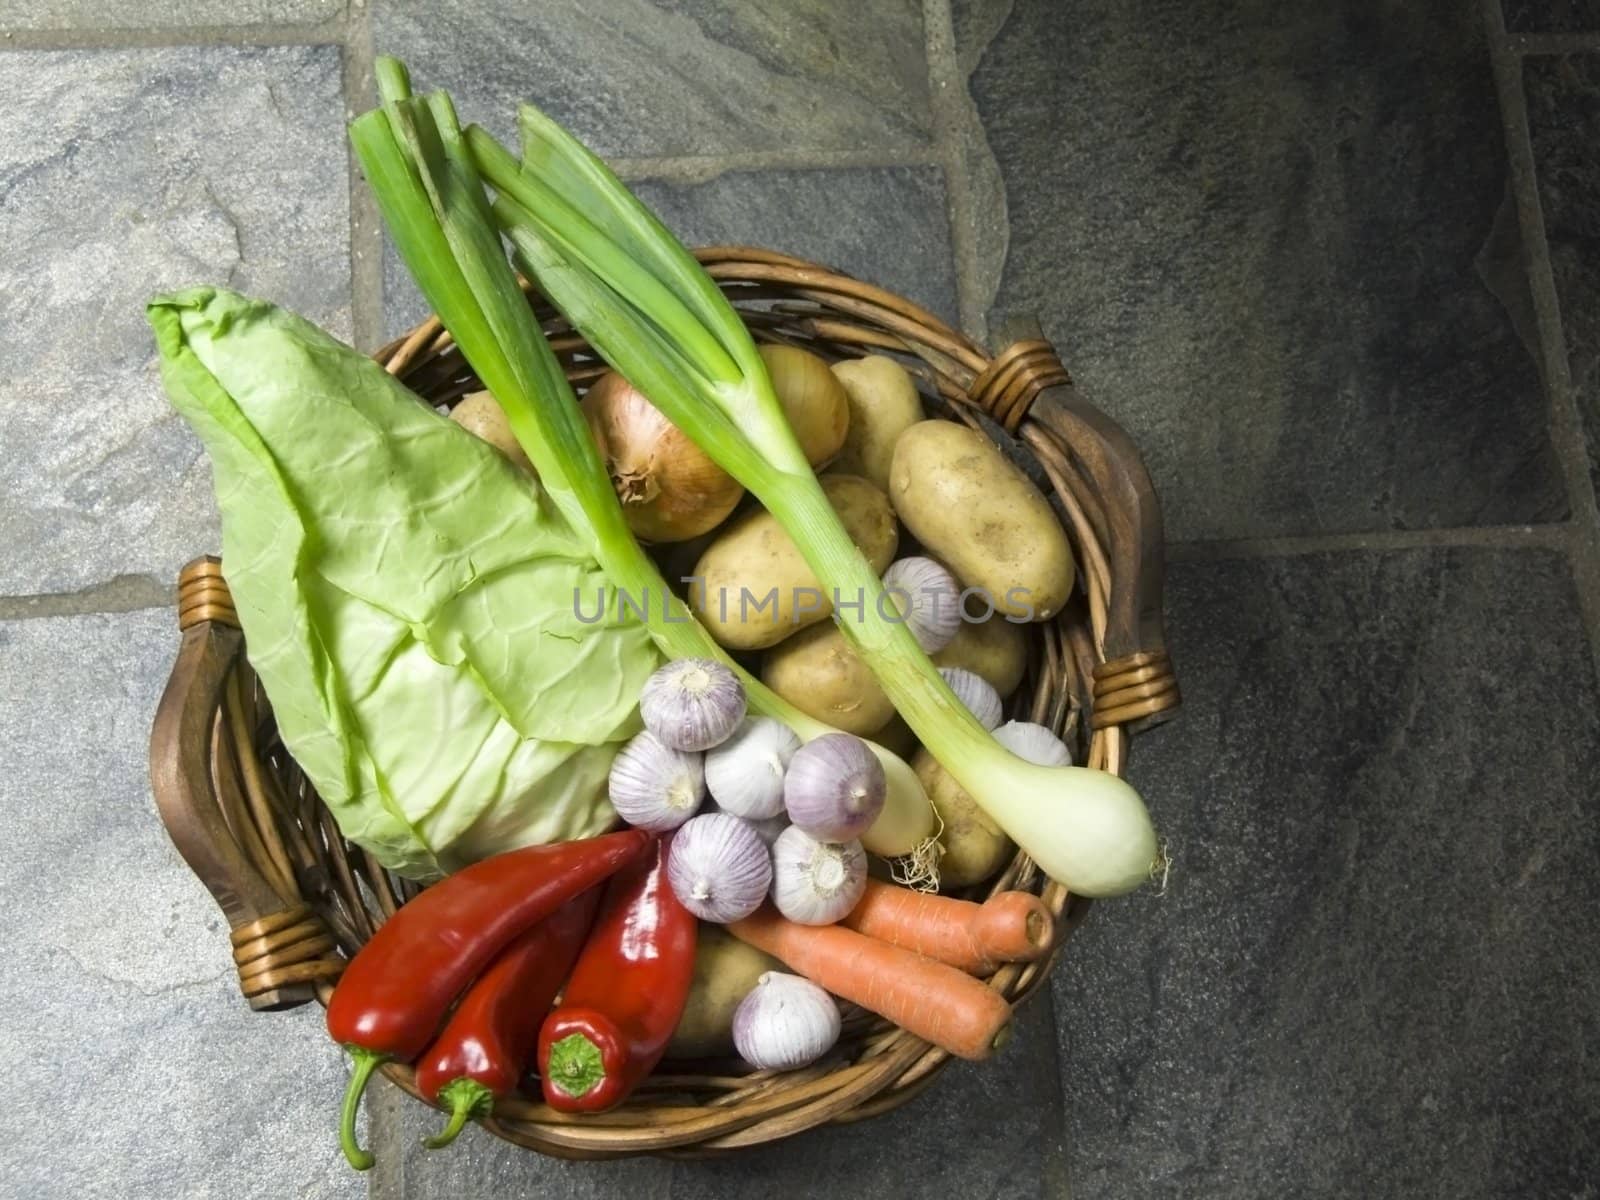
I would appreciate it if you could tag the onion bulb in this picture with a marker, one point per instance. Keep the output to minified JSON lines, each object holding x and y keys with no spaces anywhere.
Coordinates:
{"x":669,"y":488}
{"x":812,"y":398}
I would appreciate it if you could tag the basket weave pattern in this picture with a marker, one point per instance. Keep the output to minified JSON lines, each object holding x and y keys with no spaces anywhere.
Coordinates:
{"x":300,"y":899}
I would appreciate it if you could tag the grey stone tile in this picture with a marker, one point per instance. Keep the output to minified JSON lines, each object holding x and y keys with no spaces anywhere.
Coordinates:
{"x":677,"y":77}
{"x":1376,"y":969}
{"x":1255,"y":233}
{"x":167,"y":14}
{"x":974,"y":24}
{"x":887,"y":225}
{"x":403,"y":305}
{"x":1551,"y":16}
{"x":1564,"y":121}
{"x":123,"y":174}
{"x":141,"y":1070}
{"x":991,"y":1129}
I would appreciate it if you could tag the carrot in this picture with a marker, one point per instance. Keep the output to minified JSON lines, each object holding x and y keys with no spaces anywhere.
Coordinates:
{"x":1007,"y":927}
{"x":934,"y":1001}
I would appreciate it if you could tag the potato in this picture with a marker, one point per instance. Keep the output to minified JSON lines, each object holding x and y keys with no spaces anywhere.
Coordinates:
{"x":819,"y":673}
{"x":996,"y":649}
{"x":974,"y":847}
{"x":883,"y":404}
{"x":725,"y":970}
{"x":753,"y":589}
{"x":480,"y":414}
{"x":981,"y":517}
{"x":812,"y":399}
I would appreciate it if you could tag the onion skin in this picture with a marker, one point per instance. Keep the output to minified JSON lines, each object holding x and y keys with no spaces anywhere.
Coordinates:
{"x":813,"y":399}
{"x":670,"y":490}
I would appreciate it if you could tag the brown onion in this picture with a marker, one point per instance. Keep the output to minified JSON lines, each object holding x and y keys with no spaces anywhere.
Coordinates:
{"x":669,"y":488}
{"x":813,"y":399}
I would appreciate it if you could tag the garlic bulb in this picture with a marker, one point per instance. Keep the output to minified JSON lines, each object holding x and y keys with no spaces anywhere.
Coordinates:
{"x":653,"y":786}
{"x":816,"y":883}
{"x":972,"y":690}
{"x":719,"y":868}
{"x":785,"y":1022}
{"x":745,"y":773}
{"x":835,"y":787}
{"x":811,"y":397}
{"x":692,"y":704}
{"x":670,"y":488}
{"x":1034,"y":743}
{"x":928,"y":597}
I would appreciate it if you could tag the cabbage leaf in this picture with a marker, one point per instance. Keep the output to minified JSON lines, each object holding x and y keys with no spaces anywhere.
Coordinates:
{"x":407,"y":594}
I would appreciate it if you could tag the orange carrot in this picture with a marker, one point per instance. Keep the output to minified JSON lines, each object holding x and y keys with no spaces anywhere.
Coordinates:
{"x":929,"y":999}
{"x":1007,"y":927}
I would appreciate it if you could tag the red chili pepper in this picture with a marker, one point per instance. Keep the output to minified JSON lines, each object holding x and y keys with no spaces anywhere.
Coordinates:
{"x":396,"y":991}
{"x":625,"y":995}
{"x":492,"y":1034}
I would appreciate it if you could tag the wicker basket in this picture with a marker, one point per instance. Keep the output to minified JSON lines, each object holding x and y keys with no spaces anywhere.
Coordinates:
{"x":299,"y":898}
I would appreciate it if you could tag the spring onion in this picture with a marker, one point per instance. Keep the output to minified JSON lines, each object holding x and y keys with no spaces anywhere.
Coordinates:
{"x":414,"y":153}
{"x":657,"y":317}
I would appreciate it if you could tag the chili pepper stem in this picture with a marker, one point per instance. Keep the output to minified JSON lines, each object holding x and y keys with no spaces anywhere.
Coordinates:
{"x":467,"y":1099}
{"x":367,"y":1061}
{"x":576,"y":1065}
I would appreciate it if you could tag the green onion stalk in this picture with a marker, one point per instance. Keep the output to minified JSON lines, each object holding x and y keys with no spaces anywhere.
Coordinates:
{"x":429,"y":190}
{"x":624,"y":281}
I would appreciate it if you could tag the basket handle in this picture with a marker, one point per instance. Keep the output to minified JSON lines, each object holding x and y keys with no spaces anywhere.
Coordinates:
{"x":1135,"y":686}
{"x":280,"y":946}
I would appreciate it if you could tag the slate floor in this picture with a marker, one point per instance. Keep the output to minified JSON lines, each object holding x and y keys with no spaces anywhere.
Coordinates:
{"x":1336,"y":266}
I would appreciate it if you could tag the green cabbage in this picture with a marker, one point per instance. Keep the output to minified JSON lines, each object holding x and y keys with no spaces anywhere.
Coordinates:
{"x":408,"y":596}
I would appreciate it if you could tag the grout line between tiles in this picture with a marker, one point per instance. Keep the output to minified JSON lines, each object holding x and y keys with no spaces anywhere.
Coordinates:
{"x":125,"y":593}
{"x":1566,"y":425}
{"x":366,"y":232}
{"x":1553,"y":43}
{"x":385,"y":1104}
{"x":946,"y":87}
{"x":1513,"y":537}
{"x":319,"y":33}
{"x":1054,"y":1172}
{"x":696,"y":169}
